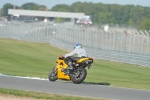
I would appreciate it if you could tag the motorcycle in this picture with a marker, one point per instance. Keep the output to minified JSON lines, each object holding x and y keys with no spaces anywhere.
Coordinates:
{"x":77,"y":75}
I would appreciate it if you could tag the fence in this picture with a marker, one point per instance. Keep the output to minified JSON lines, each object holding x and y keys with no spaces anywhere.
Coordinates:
{"x":128,"y":46}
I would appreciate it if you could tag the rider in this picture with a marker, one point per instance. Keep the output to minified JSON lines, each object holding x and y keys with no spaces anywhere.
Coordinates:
{"x":79,"y":50}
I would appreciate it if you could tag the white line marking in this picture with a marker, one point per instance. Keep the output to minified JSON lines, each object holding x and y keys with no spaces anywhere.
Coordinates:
{"x":37,"y":78}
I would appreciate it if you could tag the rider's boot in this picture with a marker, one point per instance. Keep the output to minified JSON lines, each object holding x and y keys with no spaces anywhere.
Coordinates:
{"x":67,"y":70}
{"x":70,"y":67}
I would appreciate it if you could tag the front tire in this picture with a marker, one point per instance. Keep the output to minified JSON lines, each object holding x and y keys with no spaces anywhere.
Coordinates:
{"x":53,"y":75}
{"x":79,"y":76}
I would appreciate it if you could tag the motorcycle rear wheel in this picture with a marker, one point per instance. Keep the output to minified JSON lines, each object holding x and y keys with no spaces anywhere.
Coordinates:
{"x":79,"y":76}
{"x":53,"y":75}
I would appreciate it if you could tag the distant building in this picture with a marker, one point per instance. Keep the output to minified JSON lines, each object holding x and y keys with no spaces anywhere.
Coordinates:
{"x":45,"y":14}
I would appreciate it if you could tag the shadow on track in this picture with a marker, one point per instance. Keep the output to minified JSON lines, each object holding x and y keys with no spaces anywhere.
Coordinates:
{"x":89,"y":83}
{"x":101,"y":83}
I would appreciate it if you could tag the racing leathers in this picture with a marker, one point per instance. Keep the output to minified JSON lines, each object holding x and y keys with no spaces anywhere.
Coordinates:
{"x":81,"y":52}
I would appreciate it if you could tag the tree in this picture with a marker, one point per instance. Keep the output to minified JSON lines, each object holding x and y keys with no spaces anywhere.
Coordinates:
{"x":30,"y":6}
{"x":5,"y":9}
{"x":42,"y":8}
{"x":77,"y":7}
{"x":145,"y":24}
{"x":61,"y":7}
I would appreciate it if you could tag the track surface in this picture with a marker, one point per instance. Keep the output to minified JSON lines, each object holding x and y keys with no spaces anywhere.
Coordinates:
{"x":65,"y":87}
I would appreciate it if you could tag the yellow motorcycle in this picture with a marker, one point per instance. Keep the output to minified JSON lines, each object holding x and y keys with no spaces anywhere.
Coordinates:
{"x":77,"y":75}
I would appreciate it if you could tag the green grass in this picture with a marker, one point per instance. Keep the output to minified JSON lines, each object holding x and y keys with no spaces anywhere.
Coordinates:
{"x":37,"y":59}
{"x":27,"y":59}
{"x":43,"y":96}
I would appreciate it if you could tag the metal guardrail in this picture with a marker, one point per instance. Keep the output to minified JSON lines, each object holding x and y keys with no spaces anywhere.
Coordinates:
{"x":128,"y":46}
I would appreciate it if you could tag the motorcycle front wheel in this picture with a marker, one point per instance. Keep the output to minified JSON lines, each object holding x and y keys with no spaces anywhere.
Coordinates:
{"x":53,"y":75}
{"x":79,"y":76}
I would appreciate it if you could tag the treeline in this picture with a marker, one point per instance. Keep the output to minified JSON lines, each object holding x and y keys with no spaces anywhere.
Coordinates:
{"x":102,"y":13}
{"x":27,"y":6}
{"x":111,"y":13}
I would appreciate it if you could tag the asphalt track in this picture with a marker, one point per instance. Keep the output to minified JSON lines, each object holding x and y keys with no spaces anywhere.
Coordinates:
{"x":65,"y":87}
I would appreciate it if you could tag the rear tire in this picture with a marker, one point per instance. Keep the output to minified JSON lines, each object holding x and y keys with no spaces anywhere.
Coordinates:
{"x":80,"y":77}
{"x":53,"y":75}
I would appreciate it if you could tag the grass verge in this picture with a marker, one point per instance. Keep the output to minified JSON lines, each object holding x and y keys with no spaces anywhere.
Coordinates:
{"x":43,"y":96}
